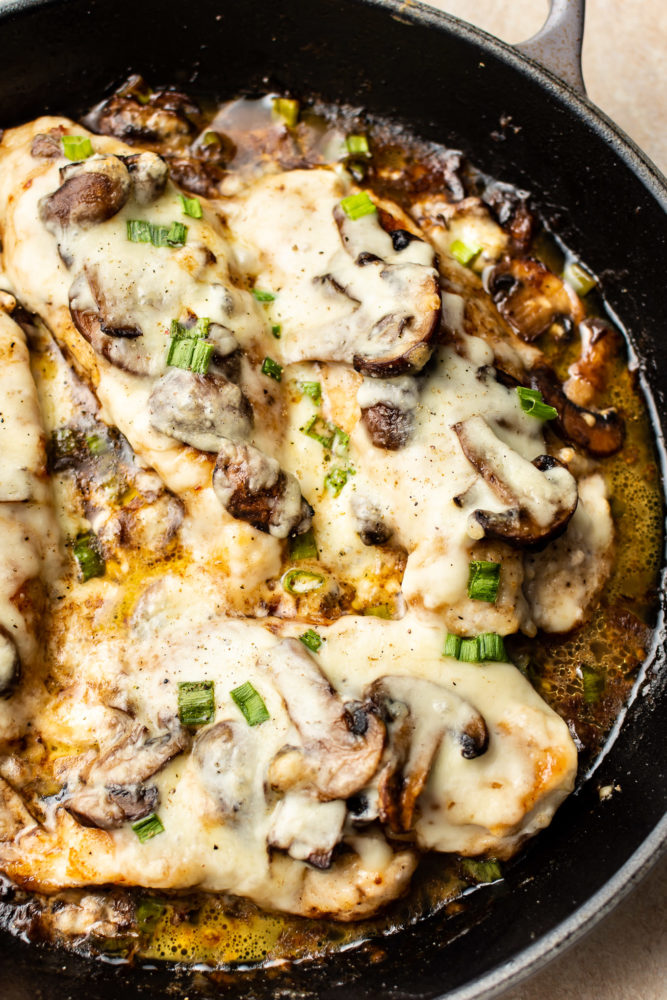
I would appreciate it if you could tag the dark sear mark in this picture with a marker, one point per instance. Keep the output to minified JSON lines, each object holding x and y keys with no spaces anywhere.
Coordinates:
{"x":252,"y":487}
{"x":600,"y":433}
{"x":418,"y":714}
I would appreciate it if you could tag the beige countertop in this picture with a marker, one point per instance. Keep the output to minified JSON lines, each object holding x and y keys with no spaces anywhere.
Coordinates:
{"x":625,"y":69}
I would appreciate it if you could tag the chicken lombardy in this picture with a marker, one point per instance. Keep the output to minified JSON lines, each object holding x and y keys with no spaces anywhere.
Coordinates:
{"x":286,"y":456}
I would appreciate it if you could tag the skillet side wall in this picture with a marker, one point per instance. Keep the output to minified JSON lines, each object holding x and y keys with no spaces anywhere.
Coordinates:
{"x":452,"y":85}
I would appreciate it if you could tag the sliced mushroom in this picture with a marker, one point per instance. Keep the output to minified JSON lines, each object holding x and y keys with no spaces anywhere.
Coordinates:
{"x":307,"y":829}
{"x":92,"y":192}
{"x":388,"y":410}
{"x":10,"y":662}
{"x":136,"y":113}
{"x":200,"y":410}
{"x":600,"y":344}
{"x":510,"y":207}
{"x":48,"y":145}
{"x":252,"y":487}
{"x":341,"y":749}
{"x":541,"y":495}
{"x":109,"y":789}
{"x":369,"y":523}
{"x":225,"y":755}
{"x":195,"y":176}
{"x":418,"y":714}
{"x":116,"y":339}
{"x":149,"y":173}
{"x":530,"y":297}
{"x":599,"y":432}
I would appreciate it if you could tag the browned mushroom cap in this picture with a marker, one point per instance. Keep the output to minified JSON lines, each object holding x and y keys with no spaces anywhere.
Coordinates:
{"x":402,"y":340}
{"x":510,"y":207}
{"x":136,"y":113}
{"x":371,"y":528}
{"x":10,"y":663}
{"x":149,"y":173}
{"x":252,"y":487}
{"x":92,"y":192}
{"x":200,"y":410}
{"x":600,"y":345}
{"x":110,"y":788}
{"x":225,"y":755}
{"x":48,"y":145}
{"x":388,"y":426}
{"x":541,"y":495}
{"x":341,"y":749}
{"x":530,"y":297}
{"x":196,"y":176}
{"x":418,"y":714}
{"x":600,"y":433}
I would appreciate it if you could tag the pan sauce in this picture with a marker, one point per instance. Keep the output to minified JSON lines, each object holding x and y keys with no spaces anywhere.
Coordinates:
{"x":145,"y":596}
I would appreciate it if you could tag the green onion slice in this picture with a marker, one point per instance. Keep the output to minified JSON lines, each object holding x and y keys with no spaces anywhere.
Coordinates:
{"x":329,"y":435}
{"x":483,"y":580}
{"x":452,"y":645}
{"x":336,"y":478}
{"x":191,"y":207}
{"x":96,"y":444}
{"x":379,"y":611}
{"x":261,"y":295}
{"x":532,"y":403}
{"x":148,"y":914}
{"x":276,"y":330}
{"x":474,"y":870}
{"x":303,"y":546}
{"x":148,"y":827}
{"x":142,"y":231}
{"x":311,"y":640}
{"x":196,"y":702}
{"x":469,"y":651}
{"x":311,"y":389}
{"x":77,"y":147}
{"x":201,"y":357}
{"x":593,"y":684}
{"x":251,"y":704}
{"x":356,"y":206}
{"x":287,"y":110}
{"x":302,"y":581}
{"x":272,"y":369}
{"x":464,"y":254}
{"x":200,"y":329}
{"x":579,"y":278}
{"x":357,"y":145}
{"x":492,"y":647}
{"x":88,"y":556}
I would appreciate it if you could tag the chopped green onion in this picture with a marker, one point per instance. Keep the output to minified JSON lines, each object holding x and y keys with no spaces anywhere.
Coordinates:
{"x":579,"y":278}
{"x":464,"y":254}
{"x":148,"y":914}
{"x":356,"y":206}
{"x":302,"y":581}
{"x":181,"y":351}
{"x":200,"y":329}
{"x":276,"y":330}
{"x":357,"y":145}
{"x":88,"y":556}
{"x":303,"y":546}
{"x":141,"y":231}
{"x":97,"y":445}
{"x":287,"y":109}
{"x":251,"y":704}
{"x":210,"y":139}
{"x":65,"y":448}
{"x":191,"y":206}
{"x":312,"y":389}
{"x":492,"y":647}
{"x":330,"y":436}
{"x":77,"y":147}
{"x":196,"y":702}
{"x":311,"y":640}
{"x":488,"y":870}
{"x":148,"y":827}
{"x":379,"y":611}
{"x":336,"y":478}
{"x":483,"y":580}
{"x":201,"y":357}
{"x":452,"y":645}
{"x":593,"y":683}
{"x":532,"y":403}
{"x":272,"y":369}
{"x":469,"y":651}
{"x":262,"y":295}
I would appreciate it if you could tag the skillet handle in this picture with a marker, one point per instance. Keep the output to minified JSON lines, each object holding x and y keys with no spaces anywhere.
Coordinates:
{"x":557,"y":45}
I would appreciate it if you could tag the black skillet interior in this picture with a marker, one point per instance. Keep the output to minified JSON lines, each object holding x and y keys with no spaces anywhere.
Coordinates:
{"x":452,"y":85}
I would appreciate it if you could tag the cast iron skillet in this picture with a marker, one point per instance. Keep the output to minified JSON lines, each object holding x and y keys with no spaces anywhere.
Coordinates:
{"x":453,"y":84}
